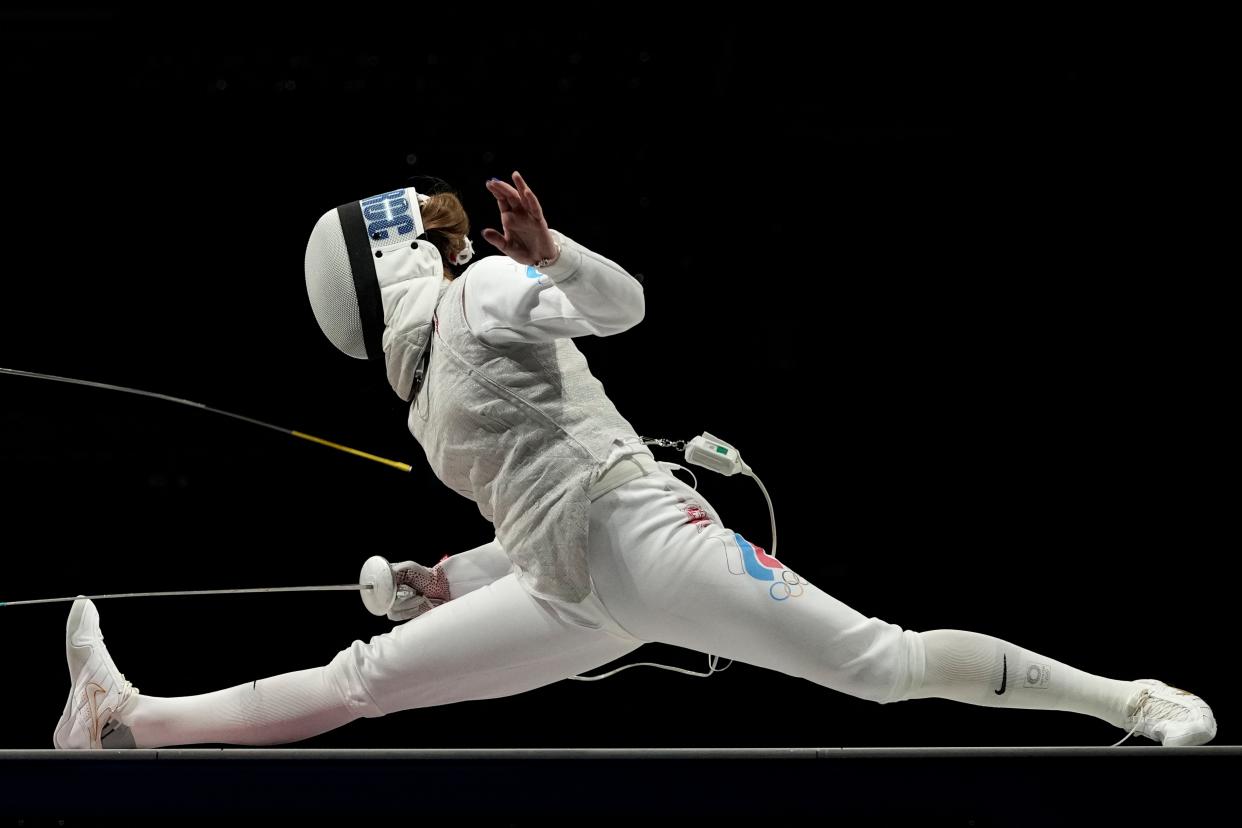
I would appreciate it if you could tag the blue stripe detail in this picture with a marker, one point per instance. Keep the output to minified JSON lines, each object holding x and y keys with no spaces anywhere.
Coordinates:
{"x":753,"y":568}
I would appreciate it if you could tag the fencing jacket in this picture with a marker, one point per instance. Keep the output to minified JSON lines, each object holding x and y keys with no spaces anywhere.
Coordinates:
{"x":510,"y":416}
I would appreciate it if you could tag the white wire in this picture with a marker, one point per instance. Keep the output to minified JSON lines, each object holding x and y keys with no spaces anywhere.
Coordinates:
{"x":693,"y":476}
{"x":771,"y":509}
{"x":711,"y":666}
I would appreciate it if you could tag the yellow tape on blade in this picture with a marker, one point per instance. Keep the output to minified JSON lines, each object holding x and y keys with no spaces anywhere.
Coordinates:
{"x":402,"y":466}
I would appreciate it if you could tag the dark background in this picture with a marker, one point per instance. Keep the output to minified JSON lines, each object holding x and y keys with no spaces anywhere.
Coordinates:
{"x":949,"y":304}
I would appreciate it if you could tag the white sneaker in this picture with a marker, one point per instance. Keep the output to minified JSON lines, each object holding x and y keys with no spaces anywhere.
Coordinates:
{"x":99,"y":692}
{"x":1169,"y":715}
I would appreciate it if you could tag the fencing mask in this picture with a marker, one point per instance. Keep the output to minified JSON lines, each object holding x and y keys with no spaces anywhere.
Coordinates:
{"x":374,"y":279}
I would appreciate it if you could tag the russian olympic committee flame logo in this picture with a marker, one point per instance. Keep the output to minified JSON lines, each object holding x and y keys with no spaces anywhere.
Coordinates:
{"x":747,"y":559}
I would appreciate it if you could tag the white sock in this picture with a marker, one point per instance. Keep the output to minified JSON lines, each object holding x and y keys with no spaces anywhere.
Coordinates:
{"x":971,"y":667}
{"x":276,"y":710}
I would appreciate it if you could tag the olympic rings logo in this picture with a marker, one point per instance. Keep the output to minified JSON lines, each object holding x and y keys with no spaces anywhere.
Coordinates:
{"x":789,"y":586}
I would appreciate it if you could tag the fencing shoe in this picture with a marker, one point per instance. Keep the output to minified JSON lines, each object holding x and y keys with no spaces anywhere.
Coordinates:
{"x":99,"y":692}
{"x":1169,"y":715}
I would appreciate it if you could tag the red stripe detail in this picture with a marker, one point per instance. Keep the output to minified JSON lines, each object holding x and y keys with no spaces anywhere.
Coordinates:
{"x":766,"y":559}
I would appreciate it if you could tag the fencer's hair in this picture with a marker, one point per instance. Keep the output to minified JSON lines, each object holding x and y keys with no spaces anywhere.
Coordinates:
{"x":447,"y":225}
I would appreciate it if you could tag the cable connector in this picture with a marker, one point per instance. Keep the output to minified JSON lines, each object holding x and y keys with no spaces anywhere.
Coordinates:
{"x":711,"y":452}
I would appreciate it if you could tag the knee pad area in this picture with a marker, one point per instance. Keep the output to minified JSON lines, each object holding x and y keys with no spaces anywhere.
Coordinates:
{"x":886,"y":670}
{"x":344,"y":675}
{"x":906,"y":665}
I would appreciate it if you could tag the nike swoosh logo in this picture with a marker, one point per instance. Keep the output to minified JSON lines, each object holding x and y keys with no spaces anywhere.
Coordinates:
{"x":1004,"y":675}
{"x":93,"y":693}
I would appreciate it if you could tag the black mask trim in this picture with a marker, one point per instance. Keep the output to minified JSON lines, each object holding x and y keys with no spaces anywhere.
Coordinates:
{"x":366,"y":281}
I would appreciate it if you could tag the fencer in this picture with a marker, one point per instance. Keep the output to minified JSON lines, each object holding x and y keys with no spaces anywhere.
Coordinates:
{"x":598,"y":548}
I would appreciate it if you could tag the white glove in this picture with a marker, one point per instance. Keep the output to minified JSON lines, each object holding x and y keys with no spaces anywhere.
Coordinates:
{"x":429,"y":588}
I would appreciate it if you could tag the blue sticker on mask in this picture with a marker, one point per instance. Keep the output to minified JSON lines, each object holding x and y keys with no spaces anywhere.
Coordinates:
{"x":386,"y":213}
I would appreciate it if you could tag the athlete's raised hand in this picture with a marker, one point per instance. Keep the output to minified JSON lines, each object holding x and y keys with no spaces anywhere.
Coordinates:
{"x":526,"y":238}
